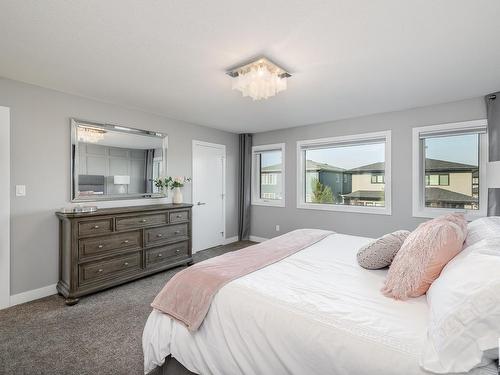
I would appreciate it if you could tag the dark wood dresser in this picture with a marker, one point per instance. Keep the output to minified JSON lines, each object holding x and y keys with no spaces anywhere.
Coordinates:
{"x":114,"y":245}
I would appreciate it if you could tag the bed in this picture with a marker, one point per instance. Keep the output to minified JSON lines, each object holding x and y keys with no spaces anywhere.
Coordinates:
{"x":315,"y":312}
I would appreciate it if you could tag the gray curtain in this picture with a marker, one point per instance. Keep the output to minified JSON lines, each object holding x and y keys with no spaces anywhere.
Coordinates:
{"x":150,"y":154}
{"x":244,"y":185}
{"x":493,"y":111}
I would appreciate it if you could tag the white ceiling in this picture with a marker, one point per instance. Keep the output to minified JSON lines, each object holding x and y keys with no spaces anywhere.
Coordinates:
{"x":348,"y":58}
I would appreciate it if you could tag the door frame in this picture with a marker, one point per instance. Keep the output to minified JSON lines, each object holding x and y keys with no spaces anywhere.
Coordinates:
{"x":193,"y":190}
{"x":4,"y":207}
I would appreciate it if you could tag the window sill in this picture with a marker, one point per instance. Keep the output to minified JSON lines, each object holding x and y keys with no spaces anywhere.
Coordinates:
{"x":346,"y":208}
{"x":268,"y":203}
{"x":432,"y":213}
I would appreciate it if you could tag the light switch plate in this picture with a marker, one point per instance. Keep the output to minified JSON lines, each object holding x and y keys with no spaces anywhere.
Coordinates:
{"x":20,"y":190}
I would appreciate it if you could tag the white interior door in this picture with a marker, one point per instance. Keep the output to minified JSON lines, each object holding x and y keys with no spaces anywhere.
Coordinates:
{"x":4,"y":207}
{"x":209,"y":164}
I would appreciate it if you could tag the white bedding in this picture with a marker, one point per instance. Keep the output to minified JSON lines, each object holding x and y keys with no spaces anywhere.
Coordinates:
{"x":315,"y":312}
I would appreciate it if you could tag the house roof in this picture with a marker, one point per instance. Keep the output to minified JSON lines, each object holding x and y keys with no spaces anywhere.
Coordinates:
{"x":374,"y":167}
{"x":366,"y":194}
{"x":434,"y":165}
{"x":276,"y":168}
{"x":312,"y":165}
{"x":431,"y":165}
{"x":435,"y":194}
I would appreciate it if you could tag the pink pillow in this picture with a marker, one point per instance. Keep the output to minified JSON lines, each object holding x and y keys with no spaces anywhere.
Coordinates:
{"x":423,"y":255}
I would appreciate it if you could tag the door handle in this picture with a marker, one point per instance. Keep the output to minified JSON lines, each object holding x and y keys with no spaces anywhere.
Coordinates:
{"x":200,"y":203}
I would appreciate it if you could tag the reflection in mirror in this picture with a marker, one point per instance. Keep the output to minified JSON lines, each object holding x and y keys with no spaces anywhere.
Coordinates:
{"x":115,"y":162}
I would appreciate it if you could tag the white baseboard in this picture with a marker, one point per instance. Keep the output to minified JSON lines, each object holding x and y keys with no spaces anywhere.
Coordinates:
{"x":229,"y":240}
{"x":31,"y":295}
{"x":258,"y":239}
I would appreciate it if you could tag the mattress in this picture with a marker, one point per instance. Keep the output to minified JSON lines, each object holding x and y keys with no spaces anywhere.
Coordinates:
{"x":315,"y":312}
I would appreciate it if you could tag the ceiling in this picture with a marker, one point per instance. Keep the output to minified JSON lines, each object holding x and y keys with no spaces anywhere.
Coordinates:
{"x":348,"y":58}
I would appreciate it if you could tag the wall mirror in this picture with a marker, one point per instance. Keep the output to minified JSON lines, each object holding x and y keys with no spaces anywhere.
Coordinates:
{"x":110,"y":162}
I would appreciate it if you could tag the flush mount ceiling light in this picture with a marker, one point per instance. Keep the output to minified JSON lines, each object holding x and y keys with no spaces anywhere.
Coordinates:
{"x":259,"y":79}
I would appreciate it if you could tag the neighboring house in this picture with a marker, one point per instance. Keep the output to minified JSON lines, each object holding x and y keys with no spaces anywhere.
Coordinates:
{"x":451,"y":185}
{"x":271,"y":182}
{"x":448,"y":184}
{"x":368,"y":183}
{"x":328,"y":175}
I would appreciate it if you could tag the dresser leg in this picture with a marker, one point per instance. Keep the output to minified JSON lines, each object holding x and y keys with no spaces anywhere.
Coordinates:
{"x":71,"y":301}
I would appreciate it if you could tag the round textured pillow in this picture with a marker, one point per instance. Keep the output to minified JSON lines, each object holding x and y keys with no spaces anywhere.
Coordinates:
{"x":380,"y":252}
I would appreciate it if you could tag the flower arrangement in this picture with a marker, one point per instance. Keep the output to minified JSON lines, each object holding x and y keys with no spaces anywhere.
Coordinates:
{"x":171,"y":182}
{"x":179,"y":181}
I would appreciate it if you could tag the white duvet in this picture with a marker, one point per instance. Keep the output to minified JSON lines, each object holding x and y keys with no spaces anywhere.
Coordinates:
{"x":315,"y":312}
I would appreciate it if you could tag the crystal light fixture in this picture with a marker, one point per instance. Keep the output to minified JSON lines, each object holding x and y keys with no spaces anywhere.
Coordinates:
{"x":259,"y":79}
{"x":90,"y":135}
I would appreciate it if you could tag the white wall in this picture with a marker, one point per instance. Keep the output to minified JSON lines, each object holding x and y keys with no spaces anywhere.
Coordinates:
{"x":40,"y":136}
{"x":264,"y":219}
{"x":4,"y":207}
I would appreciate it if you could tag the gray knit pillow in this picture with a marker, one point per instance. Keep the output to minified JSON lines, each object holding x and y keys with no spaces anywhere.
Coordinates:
{"x":380,"y":252}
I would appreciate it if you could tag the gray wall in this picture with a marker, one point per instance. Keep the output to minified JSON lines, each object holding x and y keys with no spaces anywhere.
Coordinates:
{"x":40,"y":135}
{"x":264,"y":219}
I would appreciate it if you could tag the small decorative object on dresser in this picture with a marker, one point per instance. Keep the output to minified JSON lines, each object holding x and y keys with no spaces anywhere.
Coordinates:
{"x":173,"y":183}
{"x":111,"y":246}
{"x":177,"y":197}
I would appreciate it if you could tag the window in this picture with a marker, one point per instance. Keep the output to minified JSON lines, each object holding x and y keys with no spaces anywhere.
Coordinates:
{"x":378,"y":179}
{"x":449,"y":161}
{"x":268,"y":175}
{"x":437,"y":179}
{"x":349,"y":173}
{"x":269,"y":178}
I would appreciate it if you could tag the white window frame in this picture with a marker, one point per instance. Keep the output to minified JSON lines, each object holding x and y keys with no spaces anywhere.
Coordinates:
{"x":256,"y":199}
{"x":418,"y":172}
{"x":356,"y":138}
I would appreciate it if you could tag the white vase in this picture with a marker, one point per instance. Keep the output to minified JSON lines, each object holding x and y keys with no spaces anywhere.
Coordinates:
{"x":177,"y":197}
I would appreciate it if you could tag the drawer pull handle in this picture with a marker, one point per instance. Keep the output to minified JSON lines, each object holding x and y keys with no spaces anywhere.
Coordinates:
{"x":143,"y":221}
{"x":100,"y":246}
{"x":125,"y":264}
{"x":126,"y":241}
{"x":177,"y":232}
{"x":179,"y":216}
{"x":96,"y":227}
{"x":160,"y":255}
{"x":159,"y":235}
{"x":99,"y":270}
{"x":178,"y":251}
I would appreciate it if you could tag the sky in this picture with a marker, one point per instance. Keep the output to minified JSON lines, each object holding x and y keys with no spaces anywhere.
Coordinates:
{"x":349,"y":157}
{"x":270,"y":158}
{"x":459,"y":148}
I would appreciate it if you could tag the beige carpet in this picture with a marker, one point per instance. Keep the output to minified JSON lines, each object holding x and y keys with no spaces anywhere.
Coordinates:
{"x":99,"y":335}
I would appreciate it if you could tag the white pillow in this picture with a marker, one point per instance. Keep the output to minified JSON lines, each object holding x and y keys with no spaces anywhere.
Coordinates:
{"x":482,"y":228}
{"x":464,"y":303}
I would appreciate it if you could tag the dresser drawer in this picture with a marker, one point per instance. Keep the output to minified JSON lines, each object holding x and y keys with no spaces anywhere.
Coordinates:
{"x":166,"y":254}
{"x":169,"y":233}
{"x":95,"y":271}
{"x":90,"y":227}
{"x":178,"y":216}
{"x":89,"y":247}
{"x":141,"y":221}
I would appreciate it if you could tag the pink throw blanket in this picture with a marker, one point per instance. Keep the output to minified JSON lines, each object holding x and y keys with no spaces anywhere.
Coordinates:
{"x":188,"y":295}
